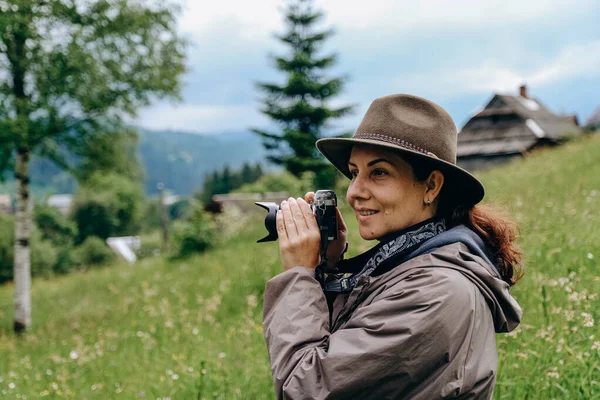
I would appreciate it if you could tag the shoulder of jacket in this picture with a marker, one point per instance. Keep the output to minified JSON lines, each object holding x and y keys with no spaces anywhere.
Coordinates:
{"x":445,"y":287}
{"x":441,"y":270}
{"x":451,"y":253}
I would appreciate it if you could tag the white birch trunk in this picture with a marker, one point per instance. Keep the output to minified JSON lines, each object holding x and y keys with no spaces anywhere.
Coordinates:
{"x":22,"y":266}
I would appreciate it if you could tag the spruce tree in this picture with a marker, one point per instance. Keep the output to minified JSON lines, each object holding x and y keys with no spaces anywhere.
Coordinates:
{"x":246,"y":174}
{"x":299,"y":106}
{"x":257,"y":172}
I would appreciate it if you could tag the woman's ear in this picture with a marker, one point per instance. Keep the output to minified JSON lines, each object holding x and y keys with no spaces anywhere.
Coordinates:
{"x":433,"y":185}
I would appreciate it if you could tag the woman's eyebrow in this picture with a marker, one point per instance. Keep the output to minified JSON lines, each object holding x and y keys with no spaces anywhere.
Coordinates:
{"x":372,"y":162}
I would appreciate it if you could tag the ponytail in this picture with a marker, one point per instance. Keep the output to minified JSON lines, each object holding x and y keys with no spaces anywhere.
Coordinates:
{"x":498,"y":233}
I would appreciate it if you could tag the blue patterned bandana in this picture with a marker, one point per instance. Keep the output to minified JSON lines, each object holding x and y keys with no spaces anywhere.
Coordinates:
{"x":384,"y":256}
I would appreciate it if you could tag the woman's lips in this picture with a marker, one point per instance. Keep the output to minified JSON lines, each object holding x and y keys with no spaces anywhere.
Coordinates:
{"x":364,"y":215}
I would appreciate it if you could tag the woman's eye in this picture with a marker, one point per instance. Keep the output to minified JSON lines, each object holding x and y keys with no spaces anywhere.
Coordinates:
{"x":379,"y":172}
{"x":354,"y":173}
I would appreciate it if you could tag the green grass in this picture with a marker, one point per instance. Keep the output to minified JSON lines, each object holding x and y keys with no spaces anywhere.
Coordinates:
{"x":192,"y":329}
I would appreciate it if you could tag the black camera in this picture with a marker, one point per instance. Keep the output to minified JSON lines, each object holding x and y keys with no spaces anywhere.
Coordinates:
{"x":323,"y":205}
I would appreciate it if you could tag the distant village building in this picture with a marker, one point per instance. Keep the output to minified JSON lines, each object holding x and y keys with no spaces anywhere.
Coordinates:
{"x":509,"y":127}
{"x":593,"y":122}
{"x":5,"y":204}
{"x":61,"y":201}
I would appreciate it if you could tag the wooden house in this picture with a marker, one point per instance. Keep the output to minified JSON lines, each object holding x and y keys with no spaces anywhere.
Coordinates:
{"x":509,"y":127}
{"x":593,"y":122}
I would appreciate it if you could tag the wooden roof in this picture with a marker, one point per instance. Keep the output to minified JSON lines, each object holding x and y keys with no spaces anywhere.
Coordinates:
{"x":511,"y":124}
{"x":593,"y":122}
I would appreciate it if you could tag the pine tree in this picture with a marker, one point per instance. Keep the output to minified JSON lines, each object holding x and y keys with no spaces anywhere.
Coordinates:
{"x":257,"y":172}
{"x":300,"y":105}
{"x":246,"y":174}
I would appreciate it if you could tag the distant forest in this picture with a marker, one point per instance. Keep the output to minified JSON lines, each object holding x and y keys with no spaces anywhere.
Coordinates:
{"x":180,"y":160}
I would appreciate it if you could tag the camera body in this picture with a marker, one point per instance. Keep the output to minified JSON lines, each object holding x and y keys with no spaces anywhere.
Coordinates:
{"x":323,"y":206}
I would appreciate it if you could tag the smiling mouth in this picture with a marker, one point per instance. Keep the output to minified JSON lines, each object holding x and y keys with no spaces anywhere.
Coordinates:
{"x":367,"y":213}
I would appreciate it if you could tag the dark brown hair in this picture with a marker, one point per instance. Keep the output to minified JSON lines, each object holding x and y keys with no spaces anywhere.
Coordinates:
{"x":490,"y":222}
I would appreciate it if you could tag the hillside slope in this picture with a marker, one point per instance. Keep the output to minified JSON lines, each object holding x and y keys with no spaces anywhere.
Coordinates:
{"x":178,"y":159}
{"x":192,"y":329}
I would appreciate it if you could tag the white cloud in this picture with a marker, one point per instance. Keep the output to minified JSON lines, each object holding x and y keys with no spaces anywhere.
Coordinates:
{"x":233,"y":38}
{"x":492,"y":75}
{"x":200,"y":118}
{"x":577,"y":60}
{"x":256,"y":20}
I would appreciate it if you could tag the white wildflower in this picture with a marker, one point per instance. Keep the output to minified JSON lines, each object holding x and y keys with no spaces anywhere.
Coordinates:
{"x":553,"y":373}
{"x":11,"y":385}
{"x":588,"y":320}
{"x":569,"y":315}
{"x":73,"y":354}
{"x":252,"y":301}
{"x":222,"y":355}
{"x":590,"y":256}
{"x":596,"y":346}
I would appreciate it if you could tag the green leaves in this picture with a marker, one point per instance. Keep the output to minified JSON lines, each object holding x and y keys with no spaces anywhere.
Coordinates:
{"x":69,"y":61}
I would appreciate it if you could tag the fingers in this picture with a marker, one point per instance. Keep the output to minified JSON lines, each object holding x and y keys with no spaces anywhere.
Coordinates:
{"x":289,"y":220}
{"x":311,"y":221}
{"x":341,"y":224}
{"x":281,"y":232}
{"x":298,"y":214}
{"x":309,"y":196}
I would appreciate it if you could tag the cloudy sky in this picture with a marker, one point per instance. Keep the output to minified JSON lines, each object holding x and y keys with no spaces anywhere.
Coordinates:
{"x":456,"y":53}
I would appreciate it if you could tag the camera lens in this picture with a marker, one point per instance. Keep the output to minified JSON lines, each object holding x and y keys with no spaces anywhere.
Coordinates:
{"x":270,"y":220}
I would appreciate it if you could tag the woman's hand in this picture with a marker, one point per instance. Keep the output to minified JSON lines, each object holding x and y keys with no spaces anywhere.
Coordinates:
{"x":335,"y":248}
{"x":299,"y":235}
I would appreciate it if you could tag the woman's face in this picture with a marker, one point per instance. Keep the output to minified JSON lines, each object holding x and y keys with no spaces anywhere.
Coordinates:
{"x":384,"y":193}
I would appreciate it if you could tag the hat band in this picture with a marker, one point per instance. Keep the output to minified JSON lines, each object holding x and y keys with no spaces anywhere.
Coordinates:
{"x":393,"y":140}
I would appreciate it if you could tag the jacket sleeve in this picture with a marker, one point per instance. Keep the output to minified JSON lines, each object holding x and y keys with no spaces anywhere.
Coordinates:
{"x":415,"y":333}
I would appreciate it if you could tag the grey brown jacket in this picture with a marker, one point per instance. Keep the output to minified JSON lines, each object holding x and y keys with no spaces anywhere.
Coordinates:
{"x":423,"y":330}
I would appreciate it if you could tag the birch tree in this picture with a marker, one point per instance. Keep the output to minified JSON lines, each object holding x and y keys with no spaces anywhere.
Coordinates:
{"x":67,"y":67}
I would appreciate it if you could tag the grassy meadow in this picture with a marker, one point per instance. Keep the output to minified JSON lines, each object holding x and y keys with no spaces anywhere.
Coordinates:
{"x":192,"y":329}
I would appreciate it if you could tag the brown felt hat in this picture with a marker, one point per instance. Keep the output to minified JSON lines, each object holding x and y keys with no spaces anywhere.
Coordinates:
{"x":413,"y":126}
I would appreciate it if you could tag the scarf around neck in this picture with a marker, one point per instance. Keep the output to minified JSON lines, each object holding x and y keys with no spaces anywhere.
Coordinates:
{"x":384,"y":256}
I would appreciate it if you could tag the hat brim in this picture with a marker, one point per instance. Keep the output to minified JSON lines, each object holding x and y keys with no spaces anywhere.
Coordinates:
{"x":464,"y":188}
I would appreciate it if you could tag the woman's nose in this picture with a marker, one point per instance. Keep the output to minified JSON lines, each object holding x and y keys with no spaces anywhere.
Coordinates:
{"x":357,"y":189}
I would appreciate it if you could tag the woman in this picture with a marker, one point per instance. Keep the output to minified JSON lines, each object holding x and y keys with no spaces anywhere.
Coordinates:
{"x":415,"y":317}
